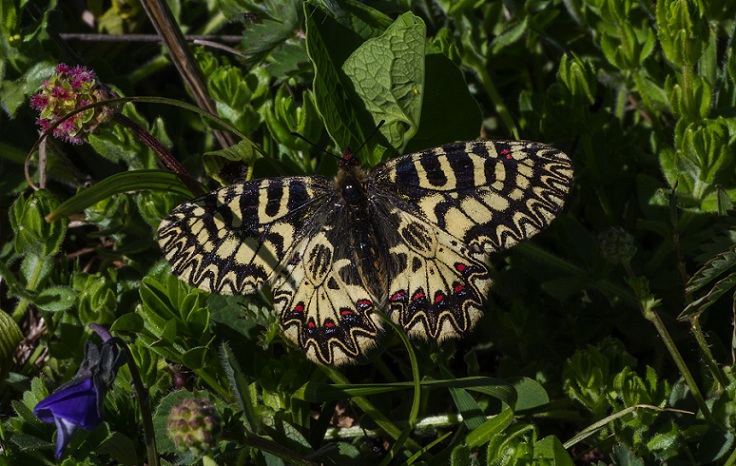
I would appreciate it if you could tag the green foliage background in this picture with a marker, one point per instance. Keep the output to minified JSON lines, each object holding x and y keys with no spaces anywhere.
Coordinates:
{"x":608,"y":338}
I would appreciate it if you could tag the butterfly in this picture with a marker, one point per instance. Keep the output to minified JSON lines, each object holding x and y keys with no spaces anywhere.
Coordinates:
{"x":410,"y":238}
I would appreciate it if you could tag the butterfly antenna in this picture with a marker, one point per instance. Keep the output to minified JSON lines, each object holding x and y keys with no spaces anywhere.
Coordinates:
{"x":370,"y":136}
{"x":294,"y":133}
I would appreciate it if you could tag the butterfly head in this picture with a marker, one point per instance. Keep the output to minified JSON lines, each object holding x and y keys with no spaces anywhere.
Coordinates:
{"x":348,"y":160}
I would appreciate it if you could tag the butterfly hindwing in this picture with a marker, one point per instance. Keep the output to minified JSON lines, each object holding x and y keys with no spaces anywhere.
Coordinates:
{"x":440,"y":287}
{"x":324,"y":306}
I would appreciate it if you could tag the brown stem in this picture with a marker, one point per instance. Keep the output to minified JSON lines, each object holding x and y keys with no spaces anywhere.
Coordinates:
{"x":160,"y":15}
{"x":166,"y":156}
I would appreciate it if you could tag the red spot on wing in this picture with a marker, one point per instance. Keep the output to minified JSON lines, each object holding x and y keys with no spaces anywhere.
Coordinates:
{"x":458,"y":287}
{"x":345,"y":312}
{"x":311,"y":324}
{"x":398,"y":296}
{"x":329,"y":324}
{"x":364,"y":304}
{"x":439,"y":297}
{"x":506,"y":153}
{"x":299,"y":308}
{"x":418,"y":295}
{"x":460,"y":267}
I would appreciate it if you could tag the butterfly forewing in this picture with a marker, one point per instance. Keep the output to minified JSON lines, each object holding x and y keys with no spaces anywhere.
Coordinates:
{"x":233,"y":240}
{"x":488,"y":194}
{"x":410,"y":238}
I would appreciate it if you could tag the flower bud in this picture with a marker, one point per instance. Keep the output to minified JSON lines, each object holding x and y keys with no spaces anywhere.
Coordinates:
{"x":577,"y":78}
{"x":617,"y":246}
{"x":65,"y":91}
{"x":194,"y":425}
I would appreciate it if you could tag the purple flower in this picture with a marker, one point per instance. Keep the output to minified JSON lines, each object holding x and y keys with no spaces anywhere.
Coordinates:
{"x":68,"y":89}
{"x":78,"y":403}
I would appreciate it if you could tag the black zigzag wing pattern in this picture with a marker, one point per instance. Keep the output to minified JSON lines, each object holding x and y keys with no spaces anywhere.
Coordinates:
{"x":455,"y":204}
{"x":233,"y":240}
{"x":410,"y":237}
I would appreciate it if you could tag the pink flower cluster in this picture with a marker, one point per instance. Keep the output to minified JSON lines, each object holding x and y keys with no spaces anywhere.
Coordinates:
{"x":68,"y":89}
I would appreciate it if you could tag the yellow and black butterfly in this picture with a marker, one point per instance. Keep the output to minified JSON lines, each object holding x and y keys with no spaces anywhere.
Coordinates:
{"x":409,"y":237}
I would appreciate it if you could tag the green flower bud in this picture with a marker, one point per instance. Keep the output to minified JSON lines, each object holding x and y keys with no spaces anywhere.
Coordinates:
{"x":33,"y":234}
{"x":617,"y":246}
{"x":194,"y":425}
{"x":577,"y":78}
{"x":691,"y":103}
{"x":707,"y":146}
{"x":65,"y":91}
{"x":683,"y":30}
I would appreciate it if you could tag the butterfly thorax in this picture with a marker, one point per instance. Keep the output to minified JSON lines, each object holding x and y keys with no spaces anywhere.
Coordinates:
{"x":350,"y":183}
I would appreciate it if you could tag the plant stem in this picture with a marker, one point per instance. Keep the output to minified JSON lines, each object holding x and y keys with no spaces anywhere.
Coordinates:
{"x":710,"y":361}
{"x":160,"y":15}
{"x":651,"y":315}
{"x":145,"y":406}
{"x":166,"y":156}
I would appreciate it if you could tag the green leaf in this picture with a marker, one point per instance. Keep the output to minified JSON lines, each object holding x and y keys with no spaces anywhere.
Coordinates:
{"x":280,"y":21}
{"x":470,"y":410}
{"x":15,"y":93}
{"x":33,"y":233}
{"x":130,"y":322}
{"x":334,"y":94}
{"x":195,"y":358}
{"x":120,"y":183}
{"x":510,"y":36}
{"x":242,"y":152}
{"x":56,"y":298}
{"x":698,"y":306}
{"x":550,"y":449}
{"x":10,"y":336}
{"x":120,"y":448}
{"x":318,"y":392}
{"x":387,"y":73}
{"x":449,"y":111}
{"x":623,"y":456}
{"x":711,"y":270}
{"x":489,"y":429}
{"x":715,"y":444}
{"x":529,"y":394}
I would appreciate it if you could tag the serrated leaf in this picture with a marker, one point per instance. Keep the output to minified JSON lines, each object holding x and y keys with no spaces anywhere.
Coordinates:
{"x":698,"y":306}
{"x":280,"y":19}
